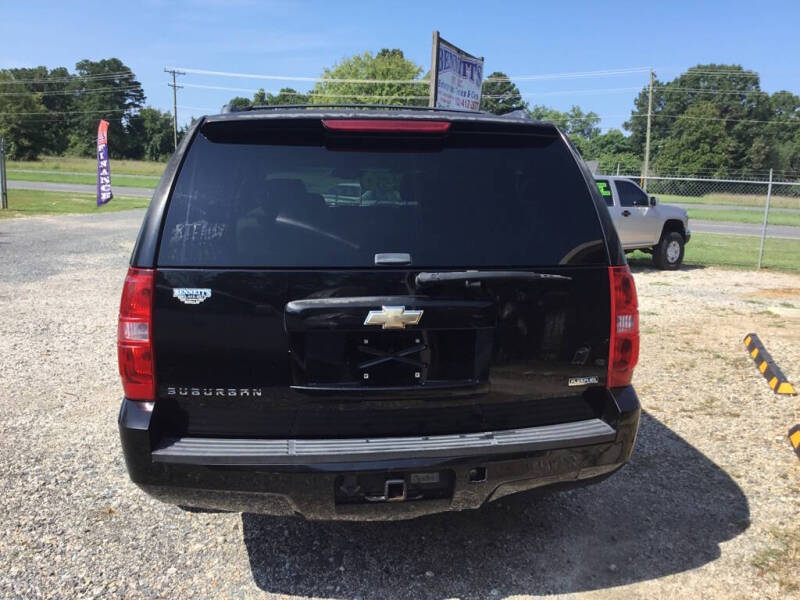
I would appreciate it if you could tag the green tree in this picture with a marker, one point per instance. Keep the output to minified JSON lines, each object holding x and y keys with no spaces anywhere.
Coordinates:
{"x":105,"y":89}
{"x":729,"y":92}
{"x":574,"y":122}
{"x":786,"y":154}
{"x":783,"y":131}
{"x":699,"y":143}
{"x":50,"y":87}
{"x":612,"y":149}
{"x":285,"y":96}
{"x":239,"y":102}
{"x":150,"y":134}
{"x":609,"y":149}
{"x":501,"y":96}
{"x":388,"y":67}
{"x":23,"y":121}
{"x":627,"y":162}
{"x":585,"y":125}
{"x":611,"y":142}
{"x":551,"y":115}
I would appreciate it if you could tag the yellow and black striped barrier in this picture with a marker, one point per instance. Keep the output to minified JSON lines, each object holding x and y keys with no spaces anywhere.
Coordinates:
{"x":794,"y":439}
{"x":774,"y":376}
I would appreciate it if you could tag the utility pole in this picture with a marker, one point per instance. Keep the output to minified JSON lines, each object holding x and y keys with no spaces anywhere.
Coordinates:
{"x":175,"y":87}
{"x":3,"y":190}
{"x":647,"y":138}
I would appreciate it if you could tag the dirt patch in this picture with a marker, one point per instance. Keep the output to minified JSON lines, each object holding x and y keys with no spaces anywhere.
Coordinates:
{"x":780,"y":561}
{"x":781,"y":293}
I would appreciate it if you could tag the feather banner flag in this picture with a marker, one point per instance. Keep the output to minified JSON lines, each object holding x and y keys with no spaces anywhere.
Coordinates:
{"x":104,"y":194}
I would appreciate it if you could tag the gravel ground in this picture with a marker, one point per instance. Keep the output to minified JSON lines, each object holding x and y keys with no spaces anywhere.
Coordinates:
{"x":708,"y":506}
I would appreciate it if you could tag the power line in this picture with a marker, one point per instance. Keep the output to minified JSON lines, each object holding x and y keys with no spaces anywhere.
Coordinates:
{"x":669,"y":89}
{"x":58,"y":119}
{"x":71,"y":78}
{"x":722,"y":72}
{"x":566,"y":75}
{"x":71,"y":92}
{"x":375,"y":96}
{"x":575,"y":75}
{"x":718,"y":119}
{"x":296,"y":78}
{"x":566,"y":92}
{"x":726,"y":72}
{"x":309,"y":93}
{"x":327,"y":95}
{"x":66,"y":112}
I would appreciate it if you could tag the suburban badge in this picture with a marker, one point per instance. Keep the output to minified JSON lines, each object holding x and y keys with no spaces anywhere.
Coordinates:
{"x":191,"y":295}
{"x":575,"y":381}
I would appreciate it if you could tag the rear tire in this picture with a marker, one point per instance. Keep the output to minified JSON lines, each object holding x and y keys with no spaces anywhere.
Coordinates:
{"x":668,"y":254}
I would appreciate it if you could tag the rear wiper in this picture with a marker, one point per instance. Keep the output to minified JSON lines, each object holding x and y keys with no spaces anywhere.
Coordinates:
{"x":424,"y":279}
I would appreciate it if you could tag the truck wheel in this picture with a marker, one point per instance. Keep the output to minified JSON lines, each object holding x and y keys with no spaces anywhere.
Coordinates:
{"x":668,"y":254}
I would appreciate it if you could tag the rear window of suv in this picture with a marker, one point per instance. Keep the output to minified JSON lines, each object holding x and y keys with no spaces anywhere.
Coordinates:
{"x":466,"y":200}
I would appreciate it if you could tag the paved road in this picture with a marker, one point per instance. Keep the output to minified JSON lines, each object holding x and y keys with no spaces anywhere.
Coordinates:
{"x":746,"y":229}
{"x":758,"y":209}
{"x":77,"y":188}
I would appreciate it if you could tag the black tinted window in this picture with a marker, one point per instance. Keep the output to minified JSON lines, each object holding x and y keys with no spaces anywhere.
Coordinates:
{"x":605,"y":191}
{"x":630,"y":194}
{"x":474,"y":201}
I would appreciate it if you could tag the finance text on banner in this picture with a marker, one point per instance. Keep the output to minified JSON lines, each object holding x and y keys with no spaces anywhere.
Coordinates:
{"x":104,"y":194}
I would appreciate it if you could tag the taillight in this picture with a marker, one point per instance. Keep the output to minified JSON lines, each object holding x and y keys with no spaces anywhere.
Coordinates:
{"x":624,"y":341}
{"x":135,"y":335}
{"x":386,"y":125}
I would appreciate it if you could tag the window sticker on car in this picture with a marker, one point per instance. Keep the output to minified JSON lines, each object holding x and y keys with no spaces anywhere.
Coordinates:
{"x":604,"y":189}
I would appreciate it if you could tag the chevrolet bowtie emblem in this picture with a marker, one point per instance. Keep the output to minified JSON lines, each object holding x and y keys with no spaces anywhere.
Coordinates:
{"x":393,"y":317}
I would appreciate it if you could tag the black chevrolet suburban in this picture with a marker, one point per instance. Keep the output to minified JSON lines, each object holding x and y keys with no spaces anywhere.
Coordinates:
{"x":361,"y":313}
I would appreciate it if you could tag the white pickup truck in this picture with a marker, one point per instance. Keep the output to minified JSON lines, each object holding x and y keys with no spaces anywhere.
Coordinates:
{"x":643,"y":223}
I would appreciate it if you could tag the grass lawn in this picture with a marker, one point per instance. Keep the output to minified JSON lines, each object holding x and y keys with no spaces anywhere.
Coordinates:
{"x":142,"y":181}
{"x":735,"y":199}
{"x":30,"y":202}
{"x":745,"y":216}
{"x":735,"y":251}
{"x":59,"y":169}
{"x":88,"y":165}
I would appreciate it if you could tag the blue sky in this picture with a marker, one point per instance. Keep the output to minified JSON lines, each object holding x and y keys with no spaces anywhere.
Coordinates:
{"x":301,"y":38}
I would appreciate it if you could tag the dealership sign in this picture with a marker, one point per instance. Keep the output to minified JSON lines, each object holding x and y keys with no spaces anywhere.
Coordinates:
{"x":458,"y":77}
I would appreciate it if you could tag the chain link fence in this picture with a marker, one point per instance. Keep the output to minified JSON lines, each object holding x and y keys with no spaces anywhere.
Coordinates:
{"x":739,"y":222}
